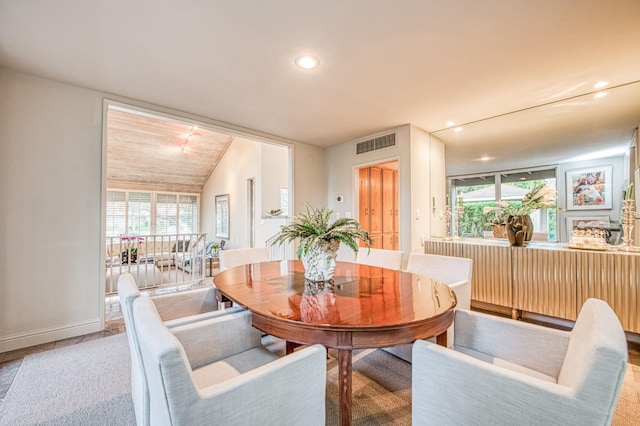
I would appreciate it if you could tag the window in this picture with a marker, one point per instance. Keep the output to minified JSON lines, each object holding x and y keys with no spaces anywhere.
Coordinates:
{"x":188,"y":214}
{"x":166,"y":214}
{"x":478,"y":192}
{"x":147,"y":213}
{"x":139,"y":213}
{"x":284,"y":200}
{"x":116,"y":213}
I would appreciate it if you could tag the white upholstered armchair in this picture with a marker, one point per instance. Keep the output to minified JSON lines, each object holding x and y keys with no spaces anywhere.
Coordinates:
{"x":506,"y":372}
{"x":175,"y":309}
{"x":381,"y":258}
{"x":455,"y":272}
{"x":216,"y":372}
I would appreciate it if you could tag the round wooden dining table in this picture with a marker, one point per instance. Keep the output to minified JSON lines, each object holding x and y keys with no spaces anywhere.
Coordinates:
{"x":362,"y":307}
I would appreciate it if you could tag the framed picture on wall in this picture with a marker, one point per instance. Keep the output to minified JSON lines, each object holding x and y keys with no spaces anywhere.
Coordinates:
{"x":589,"y":188}
{"x":586,"y":222}
{"x":222,"y":216}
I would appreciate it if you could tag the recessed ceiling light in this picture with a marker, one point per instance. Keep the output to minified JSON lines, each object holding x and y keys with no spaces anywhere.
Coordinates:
{"x":307,"y":62}
{"x":600,"y":84}
{"x":600,"y":95}
{"x":458,"y":129}
{"x":450,"y":123}
{"x":485,"y":158}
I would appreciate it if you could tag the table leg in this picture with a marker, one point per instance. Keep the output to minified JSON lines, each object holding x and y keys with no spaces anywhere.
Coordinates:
{"x":291,"y":346}
{"x":223,"y":301}
{"x":344,"y":377}
{"x":442,"y":339}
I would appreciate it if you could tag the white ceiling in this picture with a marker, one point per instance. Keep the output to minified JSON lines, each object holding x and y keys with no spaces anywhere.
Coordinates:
{"x":382,"y":63}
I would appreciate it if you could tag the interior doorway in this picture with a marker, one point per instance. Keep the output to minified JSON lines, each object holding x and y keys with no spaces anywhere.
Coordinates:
{"x":163,"y":153}
{"x":378,"y":203}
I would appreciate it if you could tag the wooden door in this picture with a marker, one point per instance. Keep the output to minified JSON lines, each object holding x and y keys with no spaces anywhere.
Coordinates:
{"x":388,"y":241}
{"x":388,"y":204}
{"x":363,"y":216}
{"x":375,"y":200}
{"x":379,"y":205}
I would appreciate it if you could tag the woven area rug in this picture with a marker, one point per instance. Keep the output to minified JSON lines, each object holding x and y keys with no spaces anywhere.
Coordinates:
{"x":89,"y":384}
{"x":84,"y":384}
{"x":381,"y":386}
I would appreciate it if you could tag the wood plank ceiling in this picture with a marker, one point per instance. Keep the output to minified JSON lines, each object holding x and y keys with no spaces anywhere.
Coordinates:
{"x":148,"y":152}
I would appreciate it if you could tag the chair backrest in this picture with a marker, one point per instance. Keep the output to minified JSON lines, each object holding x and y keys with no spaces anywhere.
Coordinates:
{"x":166,"y":366}
{"x":596,"y":358}
{"x":453,"y":271}
{"x":242,"y":256}
{"x":448,"y":269}
{"x":389,"y":259}
{"x":127,"y":293}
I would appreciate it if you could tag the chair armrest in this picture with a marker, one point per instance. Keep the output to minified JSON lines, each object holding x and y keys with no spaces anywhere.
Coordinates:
{"x":186,"y":303}
{"x":218,"y":338}
{"x":450,"y":388}
{"x":200,"y":317}
{"x":290,"y":389}
{"x":536,"y":347}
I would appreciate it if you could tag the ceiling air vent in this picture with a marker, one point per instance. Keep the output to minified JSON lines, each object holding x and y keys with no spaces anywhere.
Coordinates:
{"x":376,"y":143}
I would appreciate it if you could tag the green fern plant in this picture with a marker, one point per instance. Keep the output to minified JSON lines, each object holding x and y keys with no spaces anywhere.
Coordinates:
{"x":312,"y":227}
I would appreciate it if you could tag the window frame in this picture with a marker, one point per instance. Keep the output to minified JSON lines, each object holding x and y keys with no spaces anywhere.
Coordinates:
{"x":505,"y":177}
{"x":153,"y":228}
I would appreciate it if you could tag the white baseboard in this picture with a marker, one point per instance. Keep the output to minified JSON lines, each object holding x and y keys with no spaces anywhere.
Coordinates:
{"x":38,"y":337}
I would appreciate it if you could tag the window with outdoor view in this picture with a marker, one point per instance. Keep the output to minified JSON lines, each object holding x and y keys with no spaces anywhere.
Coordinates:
{"x":149,"y":213}
{"x":139,"y":213}
{"x":116,"y":219}
{"x":166,"y":214}
{"x":478,"y":193}
{"x":188,"y":214}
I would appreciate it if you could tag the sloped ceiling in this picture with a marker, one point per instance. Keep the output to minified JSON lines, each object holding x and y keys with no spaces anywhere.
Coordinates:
{"x":152,"y":151}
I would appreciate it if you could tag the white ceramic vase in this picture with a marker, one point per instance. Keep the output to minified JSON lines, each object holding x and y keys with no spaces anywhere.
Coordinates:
{"x":320,"y":261}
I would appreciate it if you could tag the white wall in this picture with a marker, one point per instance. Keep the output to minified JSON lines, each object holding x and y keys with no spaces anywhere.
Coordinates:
{"x":438,"y":188}
{"x":51,"y":172}
{"x":275,"y":175}
{"x":268,"y":165}
{"x":427,"y":179}
{"x":50,"y":190}
{"x":415,"y":177}
{"x":309,"y":180}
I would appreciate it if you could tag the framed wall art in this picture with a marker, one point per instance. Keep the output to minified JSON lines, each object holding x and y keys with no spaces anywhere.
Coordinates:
{"x":589,"y":188}
{"x":222,"y":216}
{"x":586,"y":222}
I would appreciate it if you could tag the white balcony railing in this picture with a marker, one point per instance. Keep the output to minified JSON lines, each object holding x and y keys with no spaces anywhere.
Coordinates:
{"x":277,"y":251}
{"x":155,"y":260}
